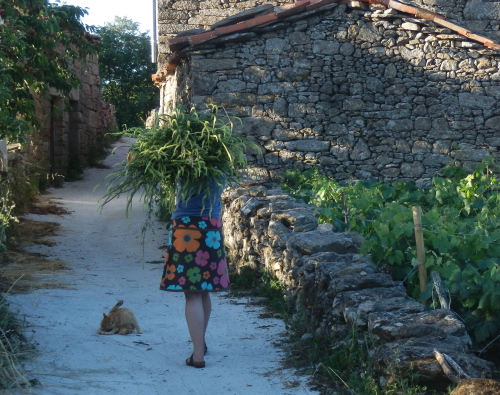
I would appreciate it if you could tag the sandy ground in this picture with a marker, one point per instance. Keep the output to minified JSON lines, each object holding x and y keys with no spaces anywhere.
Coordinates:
{"x":106,"y":263}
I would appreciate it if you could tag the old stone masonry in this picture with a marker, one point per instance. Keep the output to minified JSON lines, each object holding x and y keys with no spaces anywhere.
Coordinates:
{"x":337,"y":288}
{"x":363,"y":92}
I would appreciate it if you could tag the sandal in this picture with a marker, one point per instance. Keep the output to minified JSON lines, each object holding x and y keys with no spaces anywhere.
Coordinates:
{"x":194,"y":364}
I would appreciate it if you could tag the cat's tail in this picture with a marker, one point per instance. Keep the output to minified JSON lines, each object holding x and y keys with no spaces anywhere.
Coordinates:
{"x":116,"y":306}
{"x":136,"y":325}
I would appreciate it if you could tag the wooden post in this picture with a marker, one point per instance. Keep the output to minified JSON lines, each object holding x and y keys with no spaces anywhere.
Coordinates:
{"x":419,"y":238}
{"x":438,"y":286}
{"x":450,"y":368}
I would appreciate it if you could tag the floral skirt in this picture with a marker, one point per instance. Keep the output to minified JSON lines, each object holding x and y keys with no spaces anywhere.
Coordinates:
{"x":195,"y":258}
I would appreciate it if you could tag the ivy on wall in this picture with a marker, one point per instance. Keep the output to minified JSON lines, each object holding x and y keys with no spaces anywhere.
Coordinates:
{"x":39,"y":42}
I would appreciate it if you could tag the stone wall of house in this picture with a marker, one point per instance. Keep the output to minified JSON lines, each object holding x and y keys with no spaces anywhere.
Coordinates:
{"x":71,"y":127}
{"x":358,"y":93}
{"x":335,"y":287}
{"x":177,"y":16}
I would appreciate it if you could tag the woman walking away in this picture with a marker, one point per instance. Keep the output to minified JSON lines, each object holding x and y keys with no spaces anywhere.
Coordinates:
{"x":180,"y":167}
{"x":195,"y":262}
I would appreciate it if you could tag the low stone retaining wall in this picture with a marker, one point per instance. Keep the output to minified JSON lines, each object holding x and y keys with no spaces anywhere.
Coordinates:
{"x":337,"y":287}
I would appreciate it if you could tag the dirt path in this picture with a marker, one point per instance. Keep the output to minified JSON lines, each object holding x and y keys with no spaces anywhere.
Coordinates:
{"x":104,"y":260}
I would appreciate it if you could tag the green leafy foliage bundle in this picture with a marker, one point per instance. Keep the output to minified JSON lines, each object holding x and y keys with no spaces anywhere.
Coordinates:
{"x":461,"y":233}
{"x":38,"y":43}
{"x":186,"y":146}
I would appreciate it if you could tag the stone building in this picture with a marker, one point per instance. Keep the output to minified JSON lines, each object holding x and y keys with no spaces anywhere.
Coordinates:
{"x":177,"y":16}
{"x":70,"y":127}
{"x":360,"y":91}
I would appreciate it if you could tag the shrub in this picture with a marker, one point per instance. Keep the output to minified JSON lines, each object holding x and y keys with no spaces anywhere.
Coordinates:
{"x":460,"y":225}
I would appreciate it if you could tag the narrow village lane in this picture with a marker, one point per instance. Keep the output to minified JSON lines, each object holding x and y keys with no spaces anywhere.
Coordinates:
{"x":106,"y":263}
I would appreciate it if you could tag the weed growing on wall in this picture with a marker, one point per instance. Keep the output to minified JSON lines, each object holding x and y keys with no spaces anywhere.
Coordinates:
{"x":461,"y":233}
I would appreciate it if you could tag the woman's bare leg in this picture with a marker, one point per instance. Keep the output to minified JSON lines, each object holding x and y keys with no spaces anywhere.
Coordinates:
{"x":196,"y":321}
{"x":207,"y":310}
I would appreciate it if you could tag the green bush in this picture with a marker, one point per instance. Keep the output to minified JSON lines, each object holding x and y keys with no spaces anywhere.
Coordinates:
{"x":460,"y":225}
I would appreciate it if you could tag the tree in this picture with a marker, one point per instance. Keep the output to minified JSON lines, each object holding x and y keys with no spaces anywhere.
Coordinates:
{"x":125,"y":69}
{"x":38,"y":43}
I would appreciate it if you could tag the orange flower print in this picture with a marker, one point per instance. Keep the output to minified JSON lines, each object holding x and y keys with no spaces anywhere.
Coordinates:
{"x":206,"y":275}
{"x":186,"y":239}
{"x":169,"y":272}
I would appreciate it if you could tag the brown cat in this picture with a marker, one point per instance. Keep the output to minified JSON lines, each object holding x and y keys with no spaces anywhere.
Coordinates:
{"x":121,"y":321}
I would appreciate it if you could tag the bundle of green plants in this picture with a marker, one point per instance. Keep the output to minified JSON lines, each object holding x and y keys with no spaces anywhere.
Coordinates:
{"x":178,"y":156}
{"x":460,"y":218}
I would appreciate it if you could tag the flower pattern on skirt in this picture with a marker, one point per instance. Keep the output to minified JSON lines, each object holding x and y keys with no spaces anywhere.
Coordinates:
{"x":195,"y":258}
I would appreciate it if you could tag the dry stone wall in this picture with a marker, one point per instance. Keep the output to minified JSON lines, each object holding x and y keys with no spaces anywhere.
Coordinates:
{"x":336,"y":288}
{"x":364,"y":94}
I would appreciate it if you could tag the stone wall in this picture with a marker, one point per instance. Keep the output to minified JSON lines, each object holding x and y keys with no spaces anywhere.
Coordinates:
{"x":336,"y":288}
{"x":70,"y":127}
{"x":177,"y":16}
{"x":364,"y":94}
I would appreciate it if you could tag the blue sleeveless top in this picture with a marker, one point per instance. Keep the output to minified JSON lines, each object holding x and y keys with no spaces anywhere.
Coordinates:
{"x":207,"y":203}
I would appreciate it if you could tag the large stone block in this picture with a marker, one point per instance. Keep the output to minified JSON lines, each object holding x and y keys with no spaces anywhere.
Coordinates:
{"x":344,"y":303}
{"x":326,"y":47}
{"x":439,"y":324}
{"x":231,"y":85}
{"x":475,"y":100}
{"x":204,"y":83}
{"x":369,"y":33}
{"x":493,"y":123}
{"x":308,"y":145}
{"x":298,"y":220}
{"x":251,"y":126}
{"x":475,"y":386}
{"x":229,"y":100}
{"x":418,"y":355}
{"x":275,"y":46}
{"x":312,"y":242}
{"x":299,"y":38}
{"x":201,"y":65}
